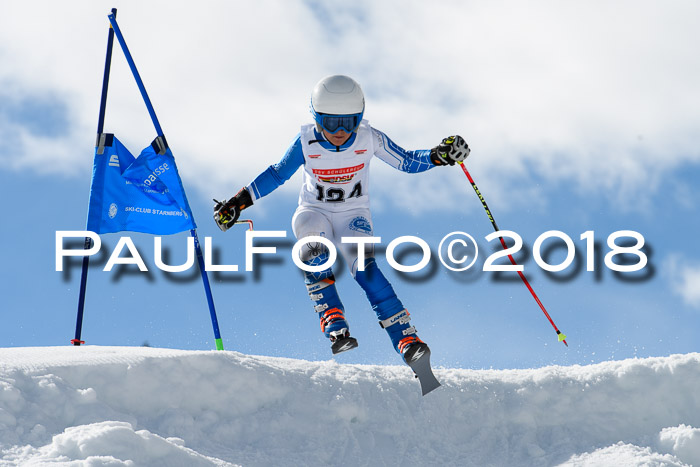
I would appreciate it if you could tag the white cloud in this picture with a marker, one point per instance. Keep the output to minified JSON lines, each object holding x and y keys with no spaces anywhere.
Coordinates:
{"x":685,"y":280}
{"x":596,"y":95}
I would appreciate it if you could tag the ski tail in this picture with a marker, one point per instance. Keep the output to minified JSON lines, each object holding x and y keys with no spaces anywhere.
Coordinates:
{"x":418,"y":358}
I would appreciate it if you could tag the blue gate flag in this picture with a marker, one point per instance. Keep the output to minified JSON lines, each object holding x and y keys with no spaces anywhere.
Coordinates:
{"x":136,"y":194}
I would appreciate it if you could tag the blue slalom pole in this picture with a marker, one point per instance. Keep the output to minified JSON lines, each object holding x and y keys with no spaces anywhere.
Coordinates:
{"x":207,"y":291}
{"x":163,"y":145}
{"x":88,"y":240}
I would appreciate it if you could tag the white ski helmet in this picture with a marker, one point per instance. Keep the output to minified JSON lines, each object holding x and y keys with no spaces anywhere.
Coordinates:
{"x":337,"y":95}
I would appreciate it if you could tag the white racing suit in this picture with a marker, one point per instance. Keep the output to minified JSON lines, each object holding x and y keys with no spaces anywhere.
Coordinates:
{"x":334,"y":203}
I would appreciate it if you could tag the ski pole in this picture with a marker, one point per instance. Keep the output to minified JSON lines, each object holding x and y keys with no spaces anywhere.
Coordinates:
{"x":562,"y":337}
{"x":246,"y":221}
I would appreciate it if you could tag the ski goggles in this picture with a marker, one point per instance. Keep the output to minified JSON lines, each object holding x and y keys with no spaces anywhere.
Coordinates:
{"x":334,"y":123}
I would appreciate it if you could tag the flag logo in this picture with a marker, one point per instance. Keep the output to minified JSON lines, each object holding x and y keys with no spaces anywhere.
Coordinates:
{"x":113,"y":210}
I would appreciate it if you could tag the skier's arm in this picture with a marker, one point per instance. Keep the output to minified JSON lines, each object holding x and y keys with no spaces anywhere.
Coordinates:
{"x":226,"y":214}
{"x":406,"y":161}
{"x":450,"y":151}
{"x":277,"y":174}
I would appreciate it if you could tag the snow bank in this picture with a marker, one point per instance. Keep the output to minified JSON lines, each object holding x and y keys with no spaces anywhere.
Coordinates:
{"x":143,"y":406}
{"x":110,"y":443}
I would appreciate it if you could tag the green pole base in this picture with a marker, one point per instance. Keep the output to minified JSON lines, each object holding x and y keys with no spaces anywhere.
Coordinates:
{"x":219,"y":344}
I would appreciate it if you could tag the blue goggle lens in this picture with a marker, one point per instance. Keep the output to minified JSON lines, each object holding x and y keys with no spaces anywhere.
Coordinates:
{"x":334,"y":123}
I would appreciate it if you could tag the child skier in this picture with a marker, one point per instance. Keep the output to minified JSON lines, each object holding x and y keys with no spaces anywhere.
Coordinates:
{"x":335,"y":152}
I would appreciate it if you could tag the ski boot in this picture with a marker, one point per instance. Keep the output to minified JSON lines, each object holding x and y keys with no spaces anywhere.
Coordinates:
{"x":324,"y":295}
{"x":331,"y":314}
{"x":414,"y":351}
{"x":342,"y":341}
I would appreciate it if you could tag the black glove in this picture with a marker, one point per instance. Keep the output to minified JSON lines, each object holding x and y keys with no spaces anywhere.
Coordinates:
{"x":226,"y":214}
{"x":451,"y":150}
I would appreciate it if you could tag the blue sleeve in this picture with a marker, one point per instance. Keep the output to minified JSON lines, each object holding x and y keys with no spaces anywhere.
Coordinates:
{"x":277,"y":174}
{"x":406,"y":161}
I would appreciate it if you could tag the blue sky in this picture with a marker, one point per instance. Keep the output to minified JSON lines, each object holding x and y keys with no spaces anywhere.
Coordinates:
{"x":578,"y":117}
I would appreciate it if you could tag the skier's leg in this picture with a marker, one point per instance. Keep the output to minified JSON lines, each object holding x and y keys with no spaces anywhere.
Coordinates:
{"x":393,"y":317}
{"x":321,"y":285}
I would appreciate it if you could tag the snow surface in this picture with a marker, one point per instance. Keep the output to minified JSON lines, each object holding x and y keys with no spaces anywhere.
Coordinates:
{"x":116,"y":406}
